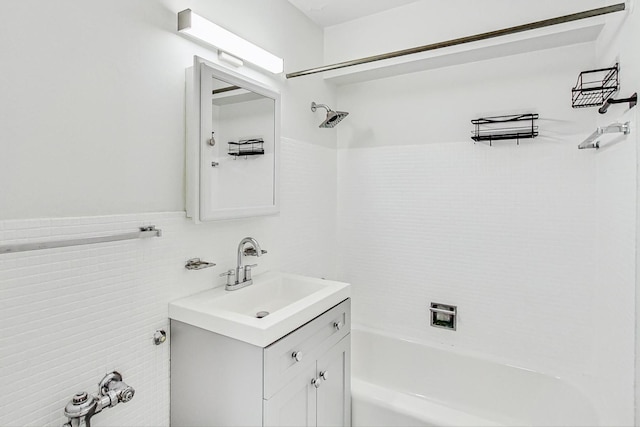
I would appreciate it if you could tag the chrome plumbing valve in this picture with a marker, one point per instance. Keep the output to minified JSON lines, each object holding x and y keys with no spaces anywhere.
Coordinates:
{"x":115,"y":389}
{"x":111,"y":391}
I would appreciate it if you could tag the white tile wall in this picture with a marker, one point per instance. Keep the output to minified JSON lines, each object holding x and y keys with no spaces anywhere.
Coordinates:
{"x":70,"y":315}
{"x":613,"y":321}
{"x":537,"y":255}
{"x":505,"y":237}
{"x":308,"y":217}
{"x":534,"y":243}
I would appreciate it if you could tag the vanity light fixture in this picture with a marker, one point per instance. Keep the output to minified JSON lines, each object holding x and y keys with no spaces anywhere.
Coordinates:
{"x":230,"y":59}
{"x":202,"y":29}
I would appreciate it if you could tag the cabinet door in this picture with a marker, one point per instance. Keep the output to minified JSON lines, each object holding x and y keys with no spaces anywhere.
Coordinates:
{"x":295,"y":404}
{"x":334,"y":394}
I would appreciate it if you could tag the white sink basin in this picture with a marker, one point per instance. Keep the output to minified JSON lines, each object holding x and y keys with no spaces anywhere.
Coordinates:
{"x":290,"y":299}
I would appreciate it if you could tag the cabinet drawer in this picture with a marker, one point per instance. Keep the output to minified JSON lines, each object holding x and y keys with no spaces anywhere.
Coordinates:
{"x":308,"y":341}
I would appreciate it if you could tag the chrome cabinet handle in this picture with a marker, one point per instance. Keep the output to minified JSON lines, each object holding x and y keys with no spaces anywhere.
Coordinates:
{"x":324,"y":375}
{"x":317,"y":382}
{"x":297,"y":355}
{"x":338,"y":325}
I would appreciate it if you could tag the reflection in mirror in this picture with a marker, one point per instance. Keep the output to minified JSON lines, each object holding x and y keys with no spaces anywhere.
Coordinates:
{"x":242,"y":124}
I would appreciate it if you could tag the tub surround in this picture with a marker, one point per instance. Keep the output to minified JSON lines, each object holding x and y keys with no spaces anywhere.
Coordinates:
{"x":529,"y":241}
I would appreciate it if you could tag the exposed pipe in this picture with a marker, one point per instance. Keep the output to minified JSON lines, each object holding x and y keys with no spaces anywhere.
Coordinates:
{"x":468,"y":39}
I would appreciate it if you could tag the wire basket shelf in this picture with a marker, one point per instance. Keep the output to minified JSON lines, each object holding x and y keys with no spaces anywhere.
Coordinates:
{"x":247,"y":147}
{"x":498,"y":128}
{"x":594,"y":87}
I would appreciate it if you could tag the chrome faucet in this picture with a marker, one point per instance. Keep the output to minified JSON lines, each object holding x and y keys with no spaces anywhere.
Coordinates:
{"x":243,"y":273}
{"x":111,"y":391}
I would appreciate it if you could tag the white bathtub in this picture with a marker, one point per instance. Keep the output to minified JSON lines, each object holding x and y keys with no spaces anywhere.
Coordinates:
{"x":397,"y":382}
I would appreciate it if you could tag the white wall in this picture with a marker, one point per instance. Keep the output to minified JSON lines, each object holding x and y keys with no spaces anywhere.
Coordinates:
{"x":534,"y":243}
{"x":92,"y":124}
{"x":92,"y":118}
{"x":618,"y":192}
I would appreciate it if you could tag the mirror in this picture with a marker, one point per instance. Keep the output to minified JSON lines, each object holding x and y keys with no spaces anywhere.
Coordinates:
{"x":232,"y":145}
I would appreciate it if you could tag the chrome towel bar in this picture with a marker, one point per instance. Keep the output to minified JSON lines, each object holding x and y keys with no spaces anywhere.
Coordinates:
{"x":144,"y":232}
{"x":612,"y":128}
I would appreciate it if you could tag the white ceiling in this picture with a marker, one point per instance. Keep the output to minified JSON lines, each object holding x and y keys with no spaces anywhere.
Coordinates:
{"x":331,"y":12}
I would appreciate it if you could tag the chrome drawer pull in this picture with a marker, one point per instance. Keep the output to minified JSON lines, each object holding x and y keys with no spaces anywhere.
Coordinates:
{"x":297,"y":355}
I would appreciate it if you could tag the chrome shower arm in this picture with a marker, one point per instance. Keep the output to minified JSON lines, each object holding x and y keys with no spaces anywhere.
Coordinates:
{"x":315,"y":106}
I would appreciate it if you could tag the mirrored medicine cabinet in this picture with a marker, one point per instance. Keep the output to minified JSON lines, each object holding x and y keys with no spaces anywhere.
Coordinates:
{"x":233,"y":140}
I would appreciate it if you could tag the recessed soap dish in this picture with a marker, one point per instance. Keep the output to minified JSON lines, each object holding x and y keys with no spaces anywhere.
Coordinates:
{"x":443,"y":316}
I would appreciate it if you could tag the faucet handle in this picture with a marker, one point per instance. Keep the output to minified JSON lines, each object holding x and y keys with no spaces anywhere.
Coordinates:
{"x":229,"y":274}
{"x":247,"y":271}
{"x":251,"y":251}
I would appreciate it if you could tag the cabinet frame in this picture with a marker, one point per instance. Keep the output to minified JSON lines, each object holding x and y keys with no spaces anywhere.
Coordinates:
{"x":198,"y":131}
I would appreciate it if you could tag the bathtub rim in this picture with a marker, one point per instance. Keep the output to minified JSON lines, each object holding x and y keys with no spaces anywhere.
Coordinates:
{"x":463,"y":353}
{"x":584,"y":394}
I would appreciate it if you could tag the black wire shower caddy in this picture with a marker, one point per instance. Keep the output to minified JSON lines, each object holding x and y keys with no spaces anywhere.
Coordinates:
{"x":497,"y":128}
{"x":594,"y":87}
{"x":247,"y":147}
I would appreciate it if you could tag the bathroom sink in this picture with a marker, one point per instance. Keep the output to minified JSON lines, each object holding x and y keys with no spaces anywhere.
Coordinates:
{"x":289,"y":299}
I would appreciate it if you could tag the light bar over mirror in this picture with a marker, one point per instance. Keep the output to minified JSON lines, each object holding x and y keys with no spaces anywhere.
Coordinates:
{"x":196,"y":26}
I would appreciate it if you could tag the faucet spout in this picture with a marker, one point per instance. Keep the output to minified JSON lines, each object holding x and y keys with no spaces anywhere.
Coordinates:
{"x":243,"y":273}
{"x":243,"y":242}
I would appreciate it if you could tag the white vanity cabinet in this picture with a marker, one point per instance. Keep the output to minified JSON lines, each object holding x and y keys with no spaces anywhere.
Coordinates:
{"x":302,"y":379}
{"x":319,"y":395}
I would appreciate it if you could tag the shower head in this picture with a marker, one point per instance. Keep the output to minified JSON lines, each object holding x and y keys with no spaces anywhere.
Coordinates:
{"x":333,"y":117}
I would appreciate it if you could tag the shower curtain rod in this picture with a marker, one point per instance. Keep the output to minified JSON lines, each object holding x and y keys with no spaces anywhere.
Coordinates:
{"x":468,"y":39}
